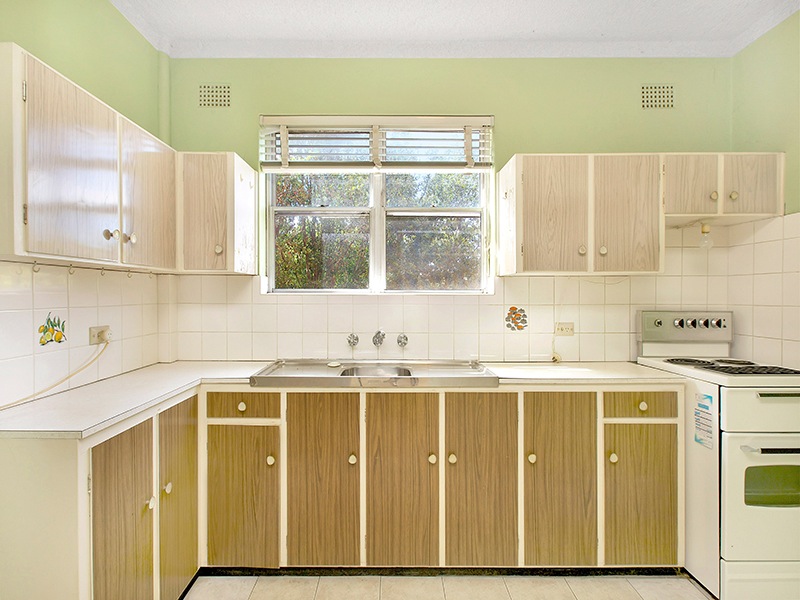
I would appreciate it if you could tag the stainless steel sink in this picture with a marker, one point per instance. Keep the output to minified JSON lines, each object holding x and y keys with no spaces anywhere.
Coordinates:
{"x":371,"y":374}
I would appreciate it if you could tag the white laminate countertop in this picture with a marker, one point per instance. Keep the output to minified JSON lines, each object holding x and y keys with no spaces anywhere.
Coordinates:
{"x":83,"y":411}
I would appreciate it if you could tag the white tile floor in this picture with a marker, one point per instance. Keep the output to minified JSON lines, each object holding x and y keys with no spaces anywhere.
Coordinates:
{"x":445,"y":588}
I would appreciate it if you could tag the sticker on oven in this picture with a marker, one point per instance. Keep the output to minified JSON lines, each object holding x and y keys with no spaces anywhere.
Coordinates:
{"x":703,"y":424}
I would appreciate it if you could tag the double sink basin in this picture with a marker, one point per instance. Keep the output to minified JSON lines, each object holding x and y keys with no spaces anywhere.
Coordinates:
{"x":356,"y":374}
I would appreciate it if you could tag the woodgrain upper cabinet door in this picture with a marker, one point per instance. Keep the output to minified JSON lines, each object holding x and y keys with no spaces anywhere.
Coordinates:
{"x":73,"y":169}
{"x":403,"y":479}
{"x":556,"y":225}
{"x":205,"y":211}
{"x":323,"y":479}
{"x":752,"y":183}
{"x":641,"y":495}
{"x":481,"y":479}
{"x":177,"y":436}
{"x":560,"y":478}
{"x":627,"y":213}
{"x":148,"y":198}
{"x":691,"y":184}
{"x":243,"y":496}
{"x":122,"y":515}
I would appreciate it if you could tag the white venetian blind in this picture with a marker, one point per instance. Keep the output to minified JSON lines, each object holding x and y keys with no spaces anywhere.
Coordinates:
{"x":343,"y":142}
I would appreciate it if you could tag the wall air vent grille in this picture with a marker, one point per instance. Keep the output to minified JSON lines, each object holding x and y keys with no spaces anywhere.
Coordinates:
{"x":658,"y":96}
{"x":214,"y":95}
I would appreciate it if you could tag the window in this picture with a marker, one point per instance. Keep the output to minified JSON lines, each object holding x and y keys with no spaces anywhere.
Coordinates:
{"x":377,"y":203}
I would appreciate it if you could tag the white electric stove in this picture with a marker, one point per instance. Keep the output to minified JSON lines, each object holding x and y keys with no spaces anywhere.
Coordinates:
{"x":742,"y":436}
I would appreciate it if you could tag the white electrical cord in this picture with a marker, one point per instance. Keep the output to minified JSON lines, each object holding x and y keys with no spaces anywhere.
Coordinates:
{"x":60,"y":381}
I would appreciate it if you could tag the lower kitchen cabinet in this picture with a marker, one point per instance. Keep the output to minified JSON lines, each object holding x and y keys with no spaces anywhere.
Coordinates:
{"x":177,"y":434}
{"x":122,"y":515}
{"x":481,"y":479}
{"x":641,"y":496}
{"x":323,"y":510}
{"x":243,"y":496}
{"x":560,"y":466}
{"x":402,"y":479}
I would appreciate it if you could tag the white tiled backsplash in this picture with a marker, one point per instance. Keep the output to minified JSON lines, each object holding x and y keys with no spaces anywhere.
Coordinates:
{"x":753,"y":269}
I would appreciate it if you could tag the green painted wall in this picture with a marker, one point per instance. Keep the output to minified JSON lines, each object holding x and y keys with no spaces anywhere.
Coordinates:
{"x":90,"y":42}
{"x":766,"y":100}
{"x":540,"y":105}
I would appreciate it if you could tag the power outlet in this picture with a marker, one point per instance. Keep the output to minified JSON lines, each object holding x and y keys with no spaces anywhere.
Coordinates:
{"x":565,"y":328}
{"x":99,"y":334}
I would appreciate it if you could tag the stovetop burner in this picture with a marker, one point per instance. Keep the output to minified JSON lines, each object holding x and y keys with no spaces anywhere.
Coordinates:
{"x":751,"y":369}
{"x":733,"y":361}
{"x":692,"y":362}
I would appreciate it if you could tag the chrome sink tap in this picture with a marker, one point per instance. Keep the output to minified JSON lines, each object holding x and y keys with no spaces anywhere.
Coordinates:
{"x":378,"y":338}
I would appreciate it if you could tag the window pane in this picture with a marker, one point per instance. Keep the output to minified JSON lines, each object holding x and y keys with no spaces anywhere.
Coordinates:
{"x":433,"y":190}
{"x":329,"y":189}
{"x":313,"y":252}
{"x":433,"y":253}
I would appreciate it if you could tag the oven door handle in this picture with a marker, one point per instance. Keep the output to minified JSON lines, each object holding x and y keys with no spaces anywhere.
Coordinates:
{"x":751,"y":450}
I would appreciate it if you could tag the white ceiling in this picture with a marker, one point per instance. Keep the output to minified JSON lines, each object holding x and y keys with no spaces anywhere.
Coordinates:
{"x":453,"y":28}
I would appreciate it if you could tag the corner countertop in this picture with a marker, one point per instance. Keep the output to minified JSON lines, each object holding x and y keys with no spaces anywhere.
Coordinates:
{"x":81,"y":412}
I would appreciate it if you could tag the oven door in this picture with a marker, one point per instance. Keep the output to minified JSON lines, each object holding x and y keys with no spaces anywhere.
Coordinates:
{"x":760,"y":497}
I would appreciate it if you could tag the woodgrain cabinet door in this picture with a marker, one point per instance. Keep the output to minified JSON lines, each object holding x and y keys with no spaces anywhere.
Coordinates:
{"x":243,"y":496}
{"x":691,"y":184}
{"x":323,"y":479}
{"x":627,"y":213}
{"x":481,"y":479}
{"x":403,"y":479}
{"x":122,"y":515}
{"x":556,"y":221}
{"x":560,"y":478}
{"x":73,"y":169}
{"x":205,"y":211}
{"x":641,"y":496}
{"x":177,"y":435}
{"x":752,"y":184}
{"x":148,"y":198}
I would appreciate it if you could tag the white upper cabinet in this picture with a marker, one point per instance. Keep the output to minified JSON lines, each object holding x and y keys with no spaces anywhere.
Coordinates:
{"x":580,"y":213}
{"x":729,"y":188}
{"x":218,"y":205}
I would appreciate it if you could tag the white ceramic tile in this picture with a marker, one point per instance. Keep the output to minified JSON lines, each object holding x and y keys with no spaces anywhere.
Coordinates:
{"x":417,"y":347}
{"x":516,"y":346}
{"x":190,"y":288}
{"x":495,"y":296}
{"x":666,"y":588}
{"x":109,"y":288}
{"x":165,"y":286}
{"x":131,"y":321}
{"x":132,"y":288}
{"x":239,"y":346}
{"x":190,"y":317}
{"x":149,"y":319}
{"x":289,"y":318}
{"x":491,"y":346}
{"x":602,"y":588}
{"x":717,"y":291}
{"x":743,"y":320}
{"x":50,"y":288}
{"x":466,"y":346}
{"x":17,"y":377}
{"x":694,"y":261}
{"x":239,"y":317}
{"x":740,"y":234}
{"x":491,"y":319}
{"x":515,"y":290}
{"x":465,"y":318}
{"x":265,"y":346}
{"x":740,"y":289}
{"x":740,"y":260}
{"x":466,"y":299}
{"x":290,"y":345}
{"x":314,"y":298}
{"x":239,"y":289}
{"x":538,"y":588}
{"x":389,"y":350}
{"x":643,"y":289}
{"x":82,"y":286}
{"x":768,"y":289}
{"x":365,"y":316}
{"x":767,"y":350}
{"x":365,"y":350}
{"x":78,"y":323}
{"x":260,"y":291}
{"x":592,"y":291}
{"x":149,"y":349}
{"x":440,"y":319}
{"x":742,"y":347}
{"x":214,"y":345}
{"x":348,"y":588}
{"x":767,"y":321}
{"x":340,"y":317}
{"x":592,"y":319}
{"x":694,"y":291}
{"x":49,"y":368}
{"x":768,"y":257}
{"x":540,"y":319}
{"x":412,"y":588}
{"x":150,"y":289}
{"x":390,"y":317}
{"x":16,"y":286}
{"x":568,"y":347}
{"x":673,"y":260}
{"x":190,"y":346}
{"x":592,"y":346}
{"x":768,"y":230}
{"x":222,"y":588}
{"x":567,"y":290}
{"x":791,"y":255}
{"x":541,"y":290}
{"x":617,"y":347}
{"x":315,"y":318}
{"x":167,"y":347}
{"x":265,"y":318}
{"x":618,"y":290}
{"x":791,"y":323}
{"x":617,"y":319}
{"x":540,"y":346}
{"x":791,"y":354}
{"x":338,"y":348}
{"x":668,"y":291}
{"x":718,"y":261}
{"x":284,"y":588}
{"x":315,"y":345}
{"x":110,"y":364}
{"x":415,"y":318}
{"x":214,"y":317}
{"x":441,"y":346}
{"x":131,"y":354}
{"x":17,"y":333}
{"x":791,"y":225}
{"x":214,"y":288}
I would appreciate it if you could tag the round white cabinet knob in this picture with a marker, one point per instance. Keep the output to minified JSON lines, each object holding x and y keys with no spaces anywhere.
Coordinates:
{"x":531,"y":458}
{"x":432,"y":459}
{"x":134,"y":238}
{"x":452,"y":459}
{"x":217,"y":249}
{"x":168,"y":488}
{"x":603,"y":250}
{"x":242,"y":407}
{"x":582,"y":250}
{"x":643,"y":406}
{"x":108,"y":234}
{"x":151,"y":504}
{"x":352,"y":459}
{"x":270,"y":460}
{"x":714,"y":195}
{"x":614,"y":459}
{"x":734,"y":195}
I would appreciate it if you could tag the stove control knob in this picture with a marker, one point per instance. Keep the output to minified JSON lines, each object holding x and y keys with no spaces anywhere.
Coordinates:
{"x":691,"y":323}
{"x":716,"y":323}
{"x":658,"y":322}
{"x":678,"y":323}
{"x":703,"y":323}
